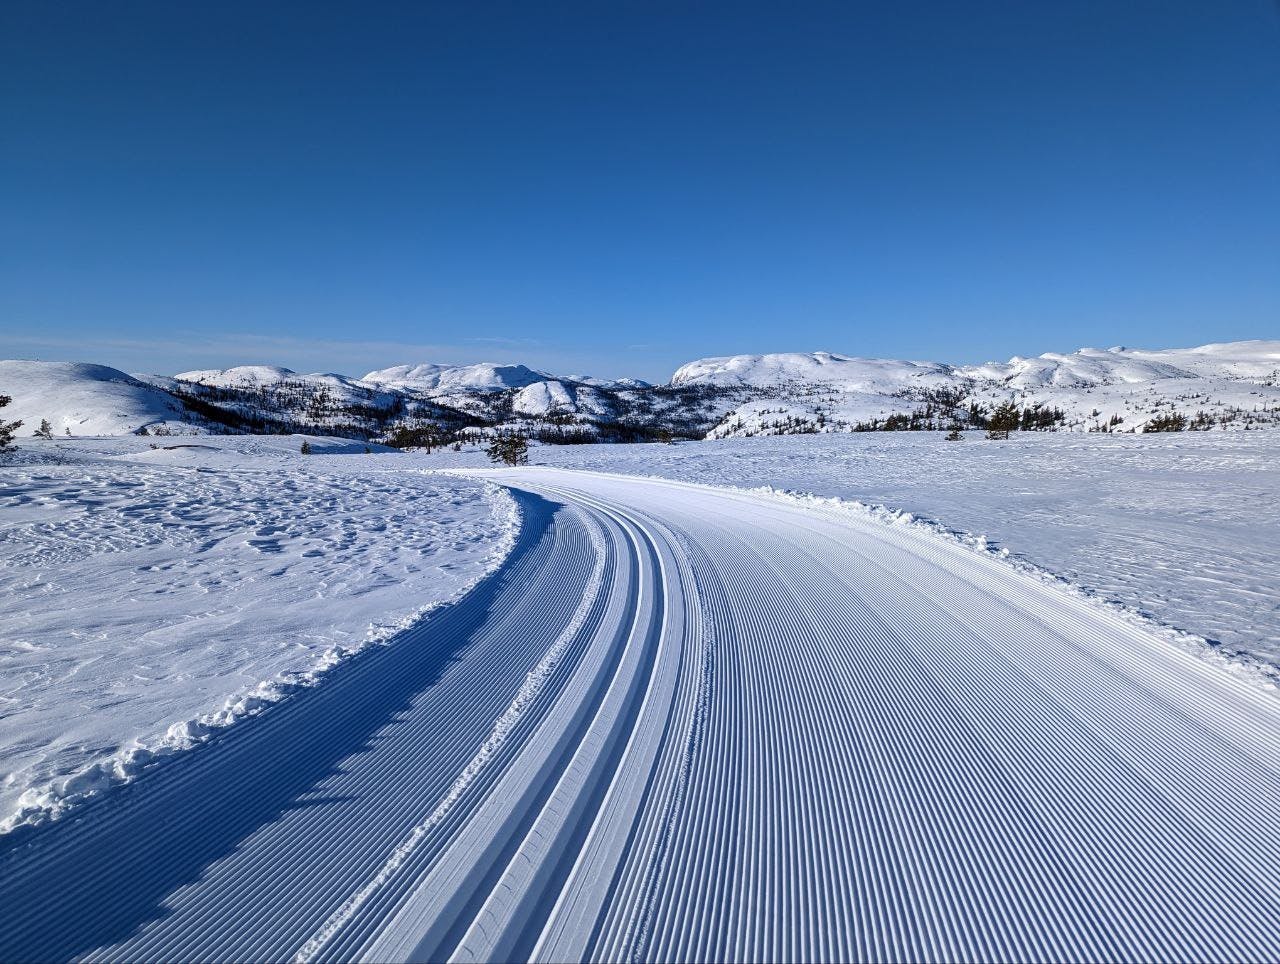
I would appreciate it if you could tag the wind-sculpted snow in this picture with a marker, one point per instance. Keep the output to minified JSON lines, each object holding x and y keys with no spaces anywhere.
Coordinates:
{"x":693,"y":724}
{"x":154,"y":599}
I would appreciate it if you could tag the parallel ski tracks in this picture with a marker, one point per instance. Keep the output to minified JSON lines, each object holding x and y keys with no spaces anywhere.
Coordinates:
{"x":695,"y":724}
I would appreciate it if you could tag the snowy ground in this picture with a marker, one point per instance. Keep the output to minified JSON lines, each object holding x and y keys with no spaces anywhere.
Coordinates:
{"x":151,"y":594}
{"x":1184,"y":527}
{"x":686,"y":723}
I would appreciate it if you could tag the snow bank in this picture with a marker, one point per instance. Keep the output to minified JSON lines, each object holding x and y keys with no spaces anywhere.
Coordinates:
{"x":160,"y":596}
{"x":1264,"y":675}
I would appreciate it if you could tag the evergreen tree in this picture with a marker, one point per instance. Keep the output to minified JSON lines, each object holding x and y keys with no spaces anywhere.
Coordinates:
{"x":511,"y":448}
{"x":1173,"y":422}
{"x":423,"y":436}
{"x":1003,"y":420}
{"x":7,"y":429}
{"x":45,"y":430}
{"x":306,"y":447}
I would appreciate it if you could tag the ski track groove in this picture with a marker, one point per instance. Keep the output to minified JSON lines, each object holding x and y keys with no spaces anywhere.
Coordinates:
{"x":689,"y":724}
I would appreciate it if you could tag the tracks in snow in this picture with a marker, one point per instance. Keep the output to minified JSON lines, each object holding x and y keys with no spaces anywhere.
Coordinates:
{"x":686,"y":724}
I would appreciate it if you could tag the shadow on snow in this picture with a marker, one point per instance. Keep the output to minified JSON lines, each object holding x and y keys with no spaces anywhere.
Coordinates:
{"x":103,"y":872}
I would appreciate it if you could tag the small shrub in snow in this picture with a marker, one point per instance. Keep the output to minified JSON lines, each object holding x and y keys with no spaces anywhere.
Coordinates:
{"x":7,"y":429}
{"x":1173,"y":422}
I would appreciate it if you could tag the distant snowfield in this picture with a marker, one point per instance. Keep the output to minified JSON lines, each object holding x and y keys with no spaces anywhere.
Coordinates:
{"x":1180,"y":527}
{"x":151,"y":595}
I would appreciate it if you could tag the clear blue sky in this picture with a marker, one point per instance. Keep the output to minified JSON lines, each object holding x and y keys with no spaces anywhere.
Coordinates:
{"x":618,"y":187}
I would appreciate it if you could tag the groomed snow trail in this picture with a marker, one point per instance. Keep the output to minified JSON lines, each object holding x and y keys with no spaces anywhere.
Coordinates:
{"x":693,"y":724}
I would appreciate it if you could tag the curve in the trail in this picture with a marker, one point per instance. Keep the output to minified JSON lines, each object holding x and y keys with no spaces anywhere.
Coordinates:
{"x":685,"y":723}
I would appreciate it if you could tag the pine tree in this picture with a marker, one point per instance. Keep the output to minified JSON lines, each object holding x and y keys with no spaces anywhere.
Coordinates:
{"x":45,"y":430}
{"x":7,"y":429}
{"x":306,"y":447}
{"x":509,"y":447}
{"x":1173,"y":422}
{"x":1003,"y":420}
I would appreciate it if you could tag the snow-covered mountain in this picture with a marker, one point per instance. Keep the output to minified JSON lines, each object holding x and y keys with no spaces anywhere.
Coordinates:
{"x":83,"y":399}
{"x":838,"y":372}
{"x":1091,"y":388}
{"x":1128,"y":366}
{"x":1233,"y":385}
{"x":1088,"y":366}
{"x":273,"y":376}
{"x":456,"y":379}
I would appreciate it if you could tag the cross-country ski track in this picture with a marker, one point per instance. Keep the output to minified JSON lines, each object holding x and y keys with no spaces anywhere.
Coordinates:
{"x":695,"y":724}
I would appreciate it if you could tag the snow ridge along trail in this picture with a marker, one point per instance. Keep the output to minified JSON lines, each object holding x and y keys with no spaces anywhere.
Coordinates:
{"x":684,"y":723}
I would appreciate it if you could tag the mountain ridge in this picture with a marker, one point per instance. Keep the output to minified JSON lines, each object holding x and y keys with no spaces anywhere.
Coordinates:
{"x":1226,"y":384}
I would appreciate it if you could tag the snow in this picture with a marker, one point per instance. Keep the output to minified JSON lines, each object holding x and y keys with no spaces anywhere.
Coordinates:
{"x":1088,"y":366}
{"x":1224,"y":386}
{"x":543,"y":398}
{"x":839,"y":372}
{"x":341,"y":389}
{"x":1231,"y":384}
{"x":154,"y":595}
{"x":1180,"y":527}
{"x":242,"y":376}
{"x":1255,"y":359}
{"x":846,"y":737}
{"x":86,"y":399}
{"x":453,"y":379}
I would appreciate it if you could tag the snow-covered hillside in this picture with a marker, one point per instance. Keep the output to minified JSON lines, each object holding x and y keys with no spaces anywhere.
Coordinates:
{"x":82,"y":399}
{"x":838,"y":372}
{"x":340,"y":388}
{"x":541,"y":398}
{"x":1251,"y":360}
{"x":454,"y":379}
{"x":1120,"y":389}
{"x":1254,"y":360}
{"x":1234,"y":385}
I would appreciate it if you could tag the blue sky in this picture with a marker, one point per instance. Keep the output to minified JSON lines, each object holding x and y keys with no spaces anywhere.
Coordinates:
{"x":618,"y":187}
